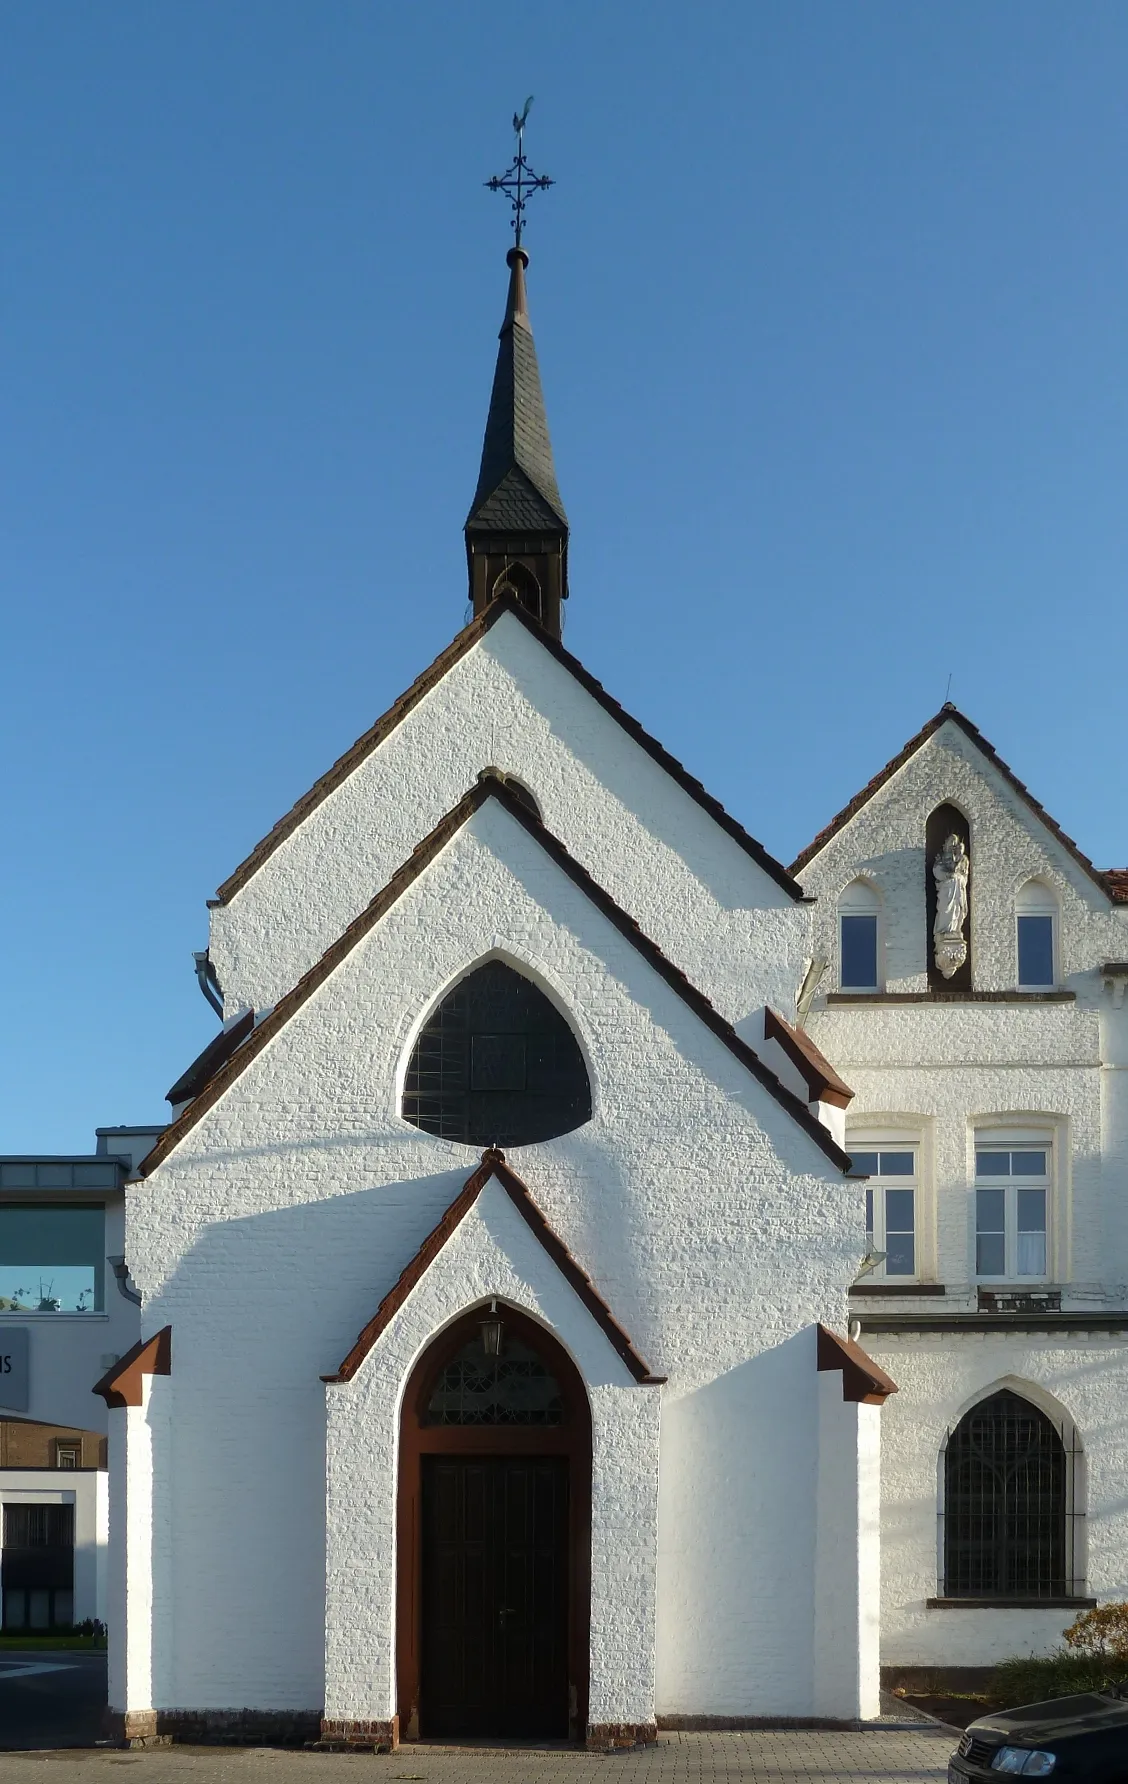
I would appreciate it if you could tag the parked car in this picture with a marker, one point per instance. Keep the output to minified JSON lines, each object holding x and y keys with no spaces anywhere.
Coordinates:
{"x":1069,"y":1737}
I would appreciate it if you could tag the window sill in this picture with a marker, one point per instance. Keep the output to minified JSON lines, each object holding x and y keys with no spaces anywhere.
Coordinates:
{"x":898,"y":1288}
{"x":957,"y":997}
{"x":9,"y":1316}
{"x":1009,"y":1604}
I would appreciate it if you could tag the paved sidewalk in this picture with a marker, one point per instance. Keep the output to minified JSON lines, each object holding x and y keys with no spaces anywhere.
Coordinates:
{"x":791,"y":1757}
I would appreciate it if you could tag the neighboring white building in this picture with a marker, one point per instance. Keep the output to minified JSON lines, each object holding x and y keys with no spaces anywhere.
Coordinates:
{"x":67,"y":1313}
{"x":498,"y":1267}
{"x":991,"y":1107}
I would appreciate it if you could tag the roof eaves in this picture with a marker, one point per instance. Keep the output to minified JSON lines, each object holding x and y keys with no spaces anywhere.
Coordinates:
{"x":949,"y":712}
{"x":493,"y":1166}
{"x":431,"y":676}
{"x":488,"y":786}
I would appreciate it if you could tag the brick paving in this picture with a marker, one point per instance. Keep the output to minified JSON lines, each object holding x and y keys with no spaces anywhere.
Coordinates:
{"x":792,"y":1756}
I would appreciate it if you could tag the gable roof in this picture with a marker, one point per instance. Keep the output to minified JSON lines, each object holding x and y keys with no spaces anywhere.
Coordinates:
{"x":488,"y":786}
{"x":1113,"y":883}
{"x":822,"y":1081}
{"x":493,"y":1166}
{"x":430,"y":678}
{"x":863,"y":1380}
{"x":206,"y":1064}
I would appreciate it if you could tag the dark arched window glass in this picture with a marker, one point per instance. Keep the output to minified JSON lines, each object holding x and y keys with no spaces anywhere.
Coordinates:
{"x":514,"y":1387}
{"x":496,"y":1065}
{"x":1005,"y":1504}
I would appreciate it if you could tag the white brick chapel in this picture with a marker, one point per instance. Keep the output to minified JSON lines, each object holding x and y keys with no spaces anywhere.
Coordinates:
{"x":500,"y":1264}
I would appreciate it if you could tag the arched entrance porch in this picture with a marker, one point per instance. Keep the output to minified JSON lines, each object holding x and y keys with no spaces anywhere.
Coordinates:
{"x":494,"y":1535}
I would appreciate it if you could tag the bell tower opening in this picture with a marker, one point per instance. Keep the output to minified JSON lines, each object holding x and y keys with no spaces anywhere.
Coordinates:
{"x":518,"y":581}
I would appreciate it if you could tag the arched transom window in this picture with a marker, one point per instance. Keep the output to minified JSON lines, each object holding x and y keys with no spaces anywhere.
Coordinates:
{"x":496,"y":1065}
{"x":495,"y":1381}
{"x":859,"y":955}
{"x":1007,"y":1495}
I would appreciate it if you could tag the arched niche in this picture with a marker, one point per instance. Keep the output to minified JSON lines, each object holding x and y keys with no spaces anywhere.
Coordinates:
{"x":947,"y":820}
{"x":496,"y":1064}
{"x":518,"y":580}
{"x":494,"y":1535}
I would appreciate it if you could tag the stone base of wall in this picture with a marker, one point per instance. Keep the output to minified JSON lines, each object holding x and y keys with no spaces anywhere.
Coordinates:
{"x":258,"y":1728}
{"x":339,"y":1736}
{"x":601,"y":1736}
{"x":936,"y":1681}
{"x":690,"y":1724}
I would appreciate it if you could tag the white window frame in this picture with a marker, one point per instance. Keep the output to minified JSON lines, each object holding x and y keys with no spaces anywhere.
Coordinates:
{"x":861,"y":898}
{"x":1037,"y":899}
{"x":986,"y":1139}
{"x":915,"y":1138}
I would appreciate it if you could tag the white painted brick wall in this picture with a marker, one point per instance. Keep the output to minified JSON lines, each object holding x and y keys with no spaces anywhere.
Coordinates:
{"x":713,"y":1225}
{"x":945,"y":1068}
{"x":509,"y":704}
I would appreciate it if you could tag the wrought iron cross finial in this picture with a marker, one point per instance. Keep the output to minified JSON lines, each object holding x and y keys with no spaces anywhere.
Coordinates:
{"x":519,"y":181}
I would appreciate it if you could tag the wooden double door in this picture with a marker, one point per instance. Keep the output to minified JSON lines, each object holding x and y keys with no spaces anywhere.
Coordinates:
{"x":494,"y":1599}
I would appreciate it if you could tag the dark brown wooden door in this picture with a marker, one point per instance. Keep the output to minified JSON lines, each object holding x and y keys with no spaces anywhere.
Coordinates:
{"x":495,"y":1597}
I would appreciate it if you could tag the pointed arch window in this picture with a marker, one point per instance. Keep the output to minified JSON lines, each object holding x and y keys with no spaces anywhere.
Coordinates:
{"x":518,"y":580}
{"x":1009,"y":1521}
{"x":496,"y":1065}
{"x":1036,"y":911}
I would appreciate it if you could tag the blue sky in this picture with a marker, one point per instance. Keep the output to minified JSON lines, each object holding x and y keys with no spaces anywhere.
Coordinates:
{"x":830,"y":306}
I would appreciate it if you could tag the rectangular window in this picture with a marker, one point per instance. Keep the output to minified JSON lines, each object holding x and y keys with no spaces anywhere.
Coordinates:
{"x":858,"y":937}
{"x":890,"y":1206}
{"x":52,"y":1258}
{"x":1011,"y":1212}
{"x":1036,"y":952}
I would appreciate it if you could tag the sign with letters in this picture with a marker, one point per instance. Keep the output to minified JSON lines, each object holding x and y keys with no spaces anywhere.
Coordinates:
{"x":13,"y":1368}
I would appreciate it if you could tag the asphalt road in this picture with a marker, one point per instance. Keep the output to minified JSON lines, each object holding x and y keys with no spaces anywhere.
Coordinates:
{"x":51,"y":1700}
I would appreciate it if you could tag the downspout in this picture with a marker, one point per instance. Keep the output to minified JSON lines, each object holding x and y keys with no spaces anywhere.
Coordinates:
{"x":207,"y":981}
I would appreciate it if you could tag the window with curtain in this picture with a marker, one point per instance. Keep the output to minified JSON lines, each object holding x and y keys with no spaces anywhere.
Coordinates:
{"x":891,"y":1205}
{"x":1011,"y":1211}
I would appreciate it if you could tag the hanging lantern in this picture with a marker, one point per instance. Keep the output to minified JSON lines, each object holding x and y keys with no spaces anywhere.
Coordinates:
{"x":491,"y":1333}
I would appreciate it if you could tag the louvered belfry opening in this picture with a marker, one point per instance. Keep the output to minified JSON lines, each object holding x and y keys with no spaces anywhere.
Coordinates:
{"x":1009,"y":1521}
{"x":496,"y":1065}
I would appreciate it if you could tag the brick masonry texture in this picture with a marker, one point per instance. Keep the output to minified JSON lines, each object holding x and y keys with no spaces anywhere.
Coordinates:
{"x":942,"y":1073}
{"x":713,"y":1226}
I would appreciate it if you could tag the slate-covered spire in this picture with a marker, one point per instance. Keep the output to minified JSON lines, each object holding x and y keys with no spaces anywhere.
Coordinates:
{"x":517,"y":530}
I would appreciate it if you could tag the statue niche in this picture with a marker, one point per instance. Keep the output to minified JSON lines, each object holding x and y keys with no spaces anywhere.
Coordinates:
{"x":948,"y":874}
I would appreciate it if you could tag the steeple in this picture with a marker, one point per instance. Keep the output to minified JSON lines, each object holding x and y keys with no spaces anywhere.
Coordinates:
{"x":517,"y":530}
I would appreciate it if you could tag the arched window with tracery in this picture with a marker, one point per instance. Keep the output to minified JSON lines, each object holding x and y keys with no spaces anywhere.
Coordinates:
{"x":1009,"y":1488}
{"x":496,"y":1065}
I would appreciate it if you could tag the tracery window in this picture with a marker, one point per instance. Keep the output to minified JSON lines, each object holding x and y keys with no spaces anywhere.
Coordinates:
{"x":1007,"y":1528}
{"x":496,"y":1065}
{"x":514,"y":1387}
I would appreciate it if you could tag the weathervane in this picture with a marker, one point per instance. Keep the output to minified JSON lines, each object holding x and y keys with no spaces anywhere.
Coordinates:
{"x":519,"y":180}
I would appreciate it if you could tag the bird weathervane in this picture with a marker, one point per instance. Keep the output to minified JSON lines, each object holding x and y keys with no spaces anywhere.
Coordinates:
{"x":519,"y":181}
